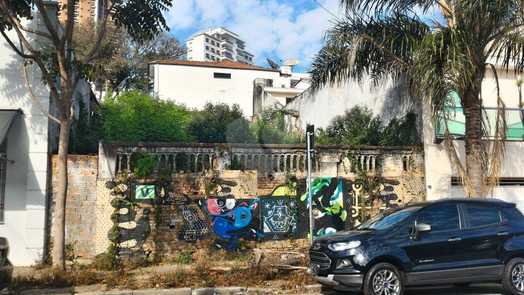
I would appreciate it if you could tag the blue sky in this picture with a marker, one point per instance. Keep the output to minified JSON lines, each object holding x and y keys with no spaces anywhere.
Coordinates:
{"x":278,"y":29}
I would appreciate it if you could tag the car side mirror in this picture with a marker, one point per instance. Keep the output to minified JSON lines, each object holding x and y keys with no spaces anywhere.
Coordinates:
{"x":420,"y":228}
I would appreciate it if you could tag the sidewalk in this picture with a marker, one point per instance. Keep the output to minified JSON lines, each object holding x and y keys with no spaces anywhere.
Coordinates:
{"x":95,"y":290}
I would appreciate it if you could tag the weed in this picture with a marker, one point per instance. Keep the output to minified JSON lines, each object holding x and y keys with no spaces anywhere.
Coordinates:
{"x":184,"y":257}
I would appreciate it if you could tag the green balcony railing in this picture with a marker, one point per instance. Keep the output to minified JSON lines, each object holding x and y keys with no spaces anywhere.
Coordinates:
{"x":454,"y":117}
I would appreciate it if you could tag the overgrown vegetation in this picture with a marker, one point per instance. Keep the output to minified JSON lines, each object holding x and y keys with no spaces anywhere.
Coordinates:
{"x":358,"y":127}
{"x":138,"y":117}
{"x":135,"y":116}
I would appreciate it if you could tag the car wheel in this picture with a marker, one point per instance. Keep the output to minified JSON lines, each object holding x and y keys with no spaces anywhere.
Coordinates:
{"x":383,"y":279}
{"x":513,"y":277}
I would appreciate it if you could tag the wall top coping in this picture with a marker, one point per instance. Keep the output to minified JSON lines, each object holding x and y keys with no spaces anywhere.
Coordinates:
{"x":117,"y":145}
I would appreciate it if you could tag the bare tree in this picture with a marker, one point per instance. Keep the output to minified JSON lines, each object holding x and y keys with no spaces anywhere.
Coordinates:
{"x":61,"y":69}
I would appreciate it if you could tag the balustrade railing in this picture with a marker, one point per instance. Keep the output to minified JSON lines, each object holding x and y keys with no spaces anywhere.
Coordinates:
{"x":266,"y":159}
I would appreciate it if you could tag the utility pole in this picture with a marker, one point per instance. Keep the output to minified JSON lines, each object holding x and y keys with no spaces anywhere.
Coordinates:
{"x":310,"y":139}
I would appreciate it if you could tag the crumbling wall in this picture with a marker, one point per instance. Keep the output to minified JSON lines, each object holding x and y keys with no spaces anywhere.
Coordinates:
{"x":179,"y":214}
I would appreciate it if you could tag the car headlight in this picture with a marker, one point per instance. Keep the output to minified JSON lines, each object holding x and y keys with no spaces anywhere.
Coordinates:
{"x":342,"y":246}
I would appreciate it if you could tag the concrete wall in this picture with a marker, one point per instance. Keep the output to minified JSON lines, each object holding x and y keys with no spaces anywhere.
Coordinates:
{"x":27,"y":150}
{"x":319,"y":108}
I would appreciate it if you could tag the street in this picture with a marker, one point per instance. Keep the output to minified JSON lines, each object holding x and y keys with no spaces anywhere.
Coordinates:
{"x":481,"y":289}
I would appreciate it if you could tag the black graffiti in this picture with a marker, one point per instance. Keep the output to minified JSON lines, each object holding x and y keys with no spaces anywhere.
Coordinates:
{"x":279,"y":217}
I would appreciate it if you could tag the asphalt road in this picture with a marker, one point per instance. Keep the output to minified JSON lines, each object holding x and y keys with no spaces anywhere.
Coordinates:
{"x":486,"y":289}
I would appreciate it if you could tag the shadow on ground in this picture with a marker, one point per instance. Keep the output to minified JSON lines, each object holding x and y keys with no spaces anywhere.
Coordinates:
{"x":448,"y":290}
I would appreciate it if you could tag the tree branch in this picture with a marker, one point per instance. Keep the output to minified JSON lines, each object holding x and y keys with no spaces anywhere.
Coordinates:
{"x":102,"y":30}
{"x":13,"y":46}
{"x":70,"y":22}
{"x":33,"y":97}
{"x":36,"y":32}
{"x":48,"y":23}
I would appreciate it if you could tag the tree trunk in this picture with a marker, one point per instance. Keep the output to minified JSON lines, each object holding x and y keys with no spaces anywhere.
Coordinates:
{"x":58,"y":224}
{"x":473,"y":145}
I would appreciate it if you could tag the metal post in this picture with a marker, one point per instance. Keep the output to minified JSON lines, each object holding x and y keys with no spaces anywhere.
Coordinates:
{"x":310,"y":196}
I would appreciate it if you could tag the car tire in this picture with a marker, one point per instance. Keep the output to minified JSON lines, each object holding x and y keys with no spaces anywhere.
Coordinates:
{"x":383,"y":275}
{"x":513,"y":276}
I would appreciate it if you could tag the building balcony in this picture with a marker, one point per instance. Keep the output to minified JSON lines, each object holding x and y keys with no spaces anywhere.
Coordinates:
{"x":453,"y":120}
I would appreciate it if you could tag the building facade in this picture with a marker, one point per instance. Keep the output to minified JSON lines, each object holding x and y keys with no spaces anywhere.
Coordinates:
{"x":195,"y":83}
{"x":86,"y":11}
{"x":216,"y":45}
{"x":27,"y":138}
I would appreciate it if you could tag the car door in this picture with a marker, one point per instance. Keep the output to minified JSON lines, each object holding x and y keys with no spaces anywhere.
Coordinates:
{"x":483,"y":237}
{"x":434,"y":250}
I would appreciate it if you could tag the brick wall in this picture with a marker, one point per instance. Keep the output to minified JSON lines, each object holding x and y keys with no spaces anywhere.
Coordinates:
{"x":81,"y":202}
{"x":88,"y":208}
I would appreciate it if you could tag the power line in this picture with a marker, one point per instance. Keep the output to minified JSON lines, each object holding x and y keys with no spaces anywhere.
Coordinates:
{"x":326,"y":9}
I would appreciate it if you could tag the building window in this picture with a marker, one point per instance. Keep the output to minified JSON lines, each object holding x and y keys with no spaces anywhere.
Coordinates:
{"x":207,"y":55}
{"x":207,"y":47}
{"x":207,"y":39}
{"x":222,"y":75}
{"x":3,"y":170}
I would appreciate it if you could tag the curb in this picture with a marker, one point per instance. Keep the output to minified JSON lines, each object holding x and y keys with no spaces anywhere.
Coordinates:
{"x":177,"y":291}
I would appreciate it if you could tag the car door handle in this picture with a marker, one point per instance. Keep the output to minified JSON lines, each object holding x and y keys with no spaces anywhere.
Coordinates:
{"x":502,"y":234}
{"x":455,"y":239}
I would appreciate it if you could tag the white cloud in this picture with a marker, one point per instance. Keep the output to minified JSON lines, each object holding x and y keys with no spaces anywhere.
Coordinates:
{"x":182,"y":16}
{"x":270,"y":28}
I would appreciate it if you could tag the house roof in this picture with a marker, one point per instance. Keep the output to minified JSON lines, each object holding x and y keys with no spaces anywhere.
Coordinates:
{"x":225,"y":64}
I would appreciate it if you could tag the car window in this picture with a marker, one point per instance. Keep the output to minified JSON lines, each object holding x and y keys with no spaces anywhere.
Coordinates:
{"x":511,"y":214}
{"x":441,"y":217}
{"x":482,"y":215}
{"x":388,"y":219}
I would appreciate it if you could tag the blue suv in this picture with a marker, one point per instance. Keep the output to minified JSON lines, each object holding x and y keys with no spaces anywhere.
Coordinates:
{"x":452,"y":241}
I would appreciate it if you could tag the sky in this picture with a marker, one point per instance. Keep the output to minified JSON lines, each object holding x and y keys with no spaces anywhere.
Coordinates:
{"x":276,"y":29}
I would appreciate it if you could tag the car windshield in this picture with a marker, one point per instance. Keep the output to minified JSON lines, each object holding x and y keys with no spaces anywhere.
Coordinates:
{"x":388,"y":219}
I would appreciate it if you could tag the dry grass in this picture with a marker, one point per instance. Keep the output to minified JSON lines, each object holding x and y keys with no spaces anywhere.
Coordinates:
{"x":203,"y":266}
{"x":54,"y":278}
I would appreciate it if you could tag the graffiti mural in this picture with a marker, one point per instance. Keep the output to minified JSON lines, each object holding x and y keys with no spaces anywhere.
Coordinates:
{"x":233,"y":219}
{"x":194,"y":225}
{"x":331,"y":206}
{"x":279,"y":217}
{"x":371,"y":196}
{"x":232,"y":183}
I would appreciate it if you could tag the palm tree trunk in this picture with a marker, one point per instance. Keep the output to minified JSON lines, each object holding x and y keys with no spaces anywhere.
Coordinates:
{"x":473,"y":142}
{"x":58,"y":224}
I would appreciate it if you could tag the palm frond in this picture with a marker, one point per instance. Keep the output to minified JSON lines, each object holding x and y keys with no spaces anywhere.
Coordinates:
{"x":359,"y":47}
{"x":385,"y":6}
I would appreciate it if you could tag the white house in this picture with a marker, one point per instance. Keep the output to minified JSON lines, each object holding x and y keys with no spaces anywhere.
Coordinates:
{"x":27,"y":137}
{"x":195,"y":83}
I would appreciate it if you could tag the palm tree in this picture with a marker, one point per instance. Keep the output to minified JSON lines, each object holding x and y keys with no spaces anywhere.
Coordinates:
{"x":393,"y":39}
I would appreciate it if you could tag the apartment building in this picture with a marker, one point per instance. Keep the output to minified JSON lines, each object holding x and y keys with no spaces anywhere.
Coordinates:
{"x":86,"y":11}
{"x":216,"y":45}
